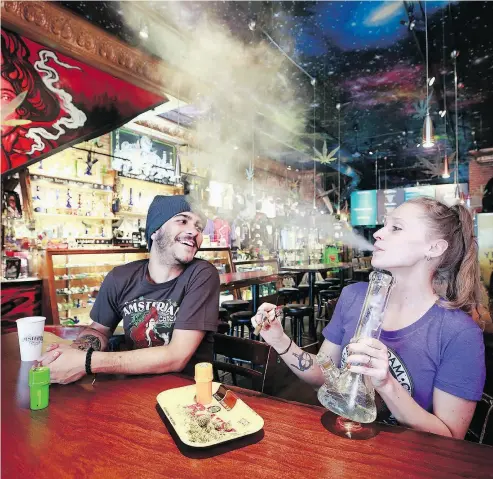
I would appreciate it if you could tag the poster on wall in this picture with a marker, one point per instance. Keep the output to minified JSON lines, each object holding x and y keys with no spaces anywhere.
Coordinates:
{"x":417,"y":191}
{"x":364,"y":208}
{"x":58,"y":101}
{"x":485,"y":246}
{"x":388,"y":201}
{"x":11,"y":204}
{"x":142,"y":157}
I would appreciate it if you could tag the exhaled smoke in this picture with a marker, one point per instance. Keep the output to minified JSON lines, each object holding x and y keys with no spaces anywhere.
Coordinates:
{"x":252,"y":102}
{"x":248,"y":95}
{"x":331,"y":229}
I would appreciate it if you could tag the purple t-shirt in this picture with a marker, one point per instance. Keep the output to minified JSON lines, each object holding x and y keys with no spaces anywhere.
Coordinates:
{"x":442,"y":349}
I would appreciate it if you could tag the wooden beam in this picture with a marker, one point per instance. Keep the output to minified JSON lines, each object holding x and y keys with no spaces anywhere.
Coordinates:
{"x":58,"y":28}
{"x":27,"y":202}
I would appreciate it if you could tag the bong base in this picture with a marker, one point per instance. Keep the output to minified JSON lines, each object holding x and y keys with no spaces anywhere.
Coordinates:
{"x":343,"y":427}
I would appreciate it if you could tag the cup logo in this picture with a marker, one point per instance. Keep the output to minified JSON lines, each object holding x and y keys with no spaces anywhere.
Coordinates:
{"x":33,"y":340}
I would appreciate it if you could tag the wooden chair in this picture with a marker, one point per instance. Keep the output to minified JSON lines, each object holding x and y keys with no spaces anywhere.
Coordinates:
{"x":329,"y":307}
{"x":262,"y":357}
{"x":481,"y":428}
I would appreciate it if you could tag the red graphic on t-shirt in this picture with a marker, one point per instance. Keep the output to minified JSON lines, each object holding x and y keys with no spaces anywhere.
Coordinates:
{"x":144,"y":335}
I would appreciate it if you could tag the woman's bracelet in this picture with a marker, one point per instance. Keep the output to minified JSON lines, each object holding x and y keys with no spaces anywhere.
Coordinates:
{"x":287,"y":349}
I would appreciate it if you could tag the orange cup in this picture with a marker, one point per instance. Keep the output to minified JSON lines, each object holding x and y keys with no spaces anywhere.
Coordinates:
{"x":203,"y":382}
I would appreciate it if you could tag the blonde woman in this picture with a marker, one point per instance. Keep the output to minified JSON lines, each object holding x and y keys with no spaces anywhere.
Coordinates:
{"x":428,"y":366}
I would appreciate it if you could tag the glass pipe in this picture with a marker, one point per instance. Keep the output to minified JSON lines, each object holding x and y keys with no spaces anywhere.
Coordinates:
{"x":348,"y":394}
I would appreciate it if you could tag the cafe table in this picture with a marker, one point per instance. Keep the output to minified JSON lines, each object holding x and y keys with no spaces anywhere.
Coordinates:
{"x":115,"y":429}
{"x":249,"y":278}
{"x":312,"y":269}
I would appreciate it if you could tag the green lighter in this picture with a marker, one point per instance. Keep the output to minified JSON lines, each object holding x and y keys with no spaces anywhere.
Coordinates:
{"x":39,"y":386}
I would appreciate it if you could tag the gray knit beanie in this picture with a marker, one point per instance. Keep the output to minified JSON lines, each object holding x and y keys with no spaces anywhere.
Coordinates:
{"x":161,"y":210}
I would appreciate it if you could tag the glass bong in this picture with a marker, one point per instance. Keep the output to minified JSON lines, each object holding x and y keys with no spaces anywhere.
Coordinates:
{"x":345,"y":393}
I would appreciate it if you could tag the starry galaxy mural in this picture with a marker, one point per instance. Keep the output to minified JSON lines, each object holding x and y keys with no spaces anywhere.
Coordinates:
{"x":368,"y":57}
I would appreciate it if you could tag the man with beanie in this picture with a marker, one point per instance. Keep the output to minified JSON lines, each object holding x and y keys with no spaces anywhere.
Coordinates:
{"x":169,"y":305}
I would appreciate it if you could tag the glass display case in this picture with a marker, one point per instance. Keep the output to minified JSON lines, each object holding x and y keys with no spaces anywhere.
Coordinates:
{"x":268,"y":265}
{"x":291,"y":257}
{"x":267,"y":291}
{"x":220,"y":257}
{"x":83,"y":201}
{"x":73,"y":277}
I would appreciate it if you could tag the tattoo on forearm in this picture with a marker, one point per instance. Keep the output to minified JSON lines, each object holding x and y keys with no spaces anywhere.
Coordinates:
{"x":305,"y":361}
{"x":85,"y":342}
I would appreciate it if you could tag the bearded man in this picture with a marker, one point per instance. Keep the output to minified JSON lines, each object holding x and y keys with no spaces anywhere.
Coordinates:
{"x":169,"y":305}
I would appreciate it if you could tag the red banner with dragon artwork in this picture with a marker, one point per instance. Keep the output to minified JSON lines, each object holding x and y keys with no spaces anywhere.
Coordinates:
{"x":56,"y":101}
{"x":19,"y":300}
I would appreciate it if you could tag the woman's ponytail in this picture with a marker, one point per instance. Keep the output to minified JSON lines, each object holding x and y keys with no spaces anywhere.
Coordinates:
{"x":457,"y":276}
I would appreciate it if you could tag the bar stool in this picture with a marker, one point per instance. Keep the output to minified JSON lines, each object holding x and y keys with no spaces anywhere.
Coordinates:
{"x":333,"y":288}
{"x":320,"y":284}
{"x":239,"y":320}
{"x":304,"y":287}
{"x":288,"y":295}
{"x":297,"y":312}
{"x":223,"y":327}
{"x":332,"y":282}
{"x":303,"y":291}
{"x":235,"y":305}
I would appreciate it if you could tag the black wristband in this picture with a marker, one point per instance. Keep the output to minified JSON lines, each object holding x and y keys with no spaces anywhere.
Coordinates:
{"x":287,"y":349}
{"x":88,"y":360}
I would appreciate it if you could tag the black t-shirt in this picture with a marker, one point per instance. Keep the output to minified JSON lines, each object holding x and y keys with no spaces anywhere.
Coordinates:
{"x":151,"y":312}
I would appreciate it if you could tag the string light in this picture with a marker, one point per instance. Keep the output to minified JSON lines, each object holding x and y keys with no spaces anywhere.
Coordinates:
{"x":446,"y":172}
{"x":428,"y":140}
{"x":252,"y":26}
{"x":454,"y":55}
{"x":313,"y":82}
{"x":338,"y":108}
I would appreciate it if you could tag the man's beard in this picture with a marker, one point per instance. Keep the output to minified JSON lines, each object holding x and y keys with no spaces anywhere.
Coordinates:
{"x":164,"y":241}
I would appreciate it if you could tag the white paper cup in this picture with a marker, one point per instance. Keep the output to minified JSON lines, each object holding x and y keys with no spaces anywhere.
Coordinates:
{"x":30,"y":331}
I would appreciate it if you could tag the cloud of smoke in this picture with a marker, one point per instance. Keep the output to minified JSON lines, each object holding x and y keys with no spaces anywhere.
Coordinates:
{"x":248,"y":93}
{"x":252,"y":100}
{"x":330,"y":229}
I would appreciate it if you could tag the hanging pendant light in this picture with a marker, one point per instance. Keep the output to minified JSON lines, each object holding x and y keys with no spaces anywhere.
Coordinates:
{"x":338,"y":107}
{"x":428,"y":140}
{"x":454,"y":56}
{"x":177,"y":170}
{"x":459,"y":197}
{"x":313,"y":82}
{"x":428,"y":132}
{"x":446,"y":172}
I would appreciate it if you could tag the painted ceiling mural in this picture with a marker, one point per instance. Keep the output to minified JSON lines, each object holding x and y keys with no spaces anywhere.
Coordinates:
{"x":368,"y":57}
